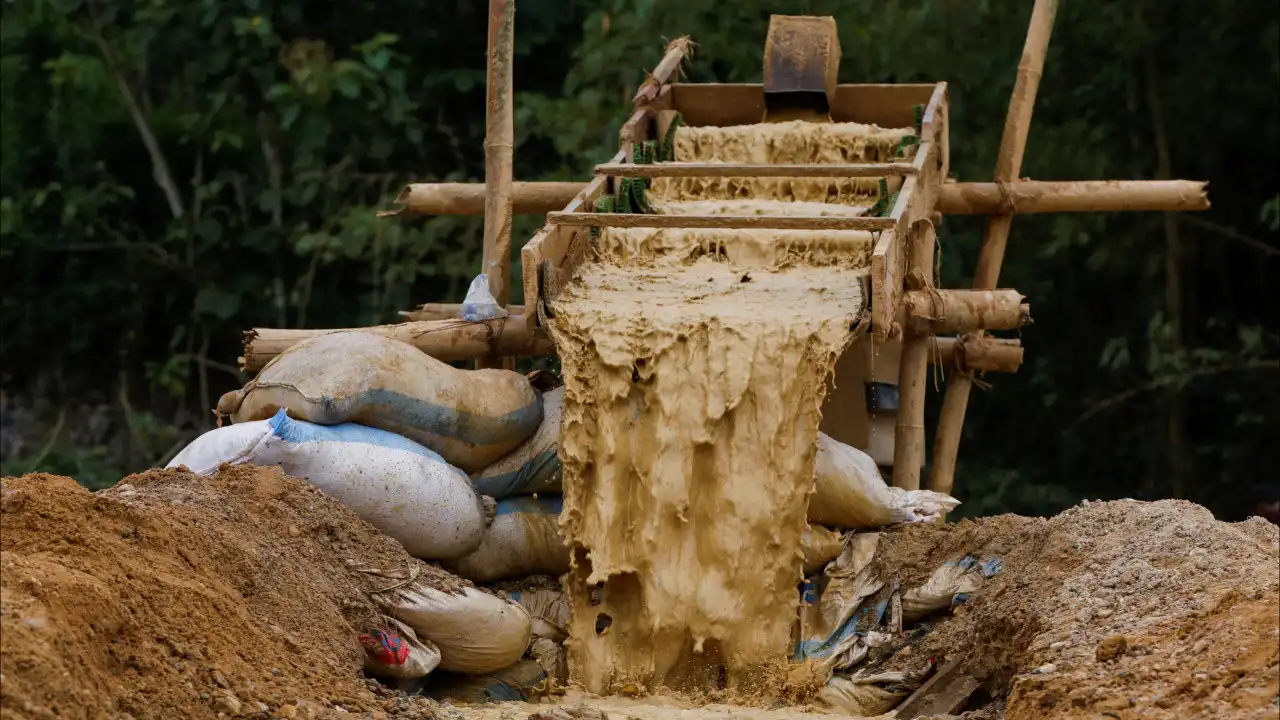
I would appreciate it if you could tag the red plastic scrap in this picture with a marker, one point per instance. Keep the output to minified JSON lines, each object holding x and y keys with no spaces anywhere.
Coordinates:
{"x":386,"y":647}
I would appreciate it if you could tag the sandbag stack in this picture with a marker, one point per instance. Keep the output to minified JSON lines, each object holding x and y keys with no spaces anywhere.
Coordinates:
{"x":462,"y":468}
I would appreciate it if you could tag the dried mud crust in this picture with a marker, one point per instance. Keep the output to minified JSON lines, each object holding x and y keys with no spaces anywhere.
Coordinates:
{"x":173,"y":595}
{"x":1120,"y":609}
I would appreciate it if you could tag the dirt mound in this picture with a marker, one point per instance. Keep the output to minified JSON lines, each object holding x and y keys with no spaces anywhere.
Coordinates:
{"x":1121,"y":609}
{"x":173,"y":595}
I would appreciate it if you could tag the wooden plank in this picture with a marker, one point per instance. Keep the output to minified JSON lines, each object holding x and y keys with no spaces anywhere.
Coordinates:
{"x":886,"y":283}
{"x":722,"y":104}
{"x":721,"y":222}
{"x":915,"y":202}
{"x":714,"y":169}
{"x":943,"y":694}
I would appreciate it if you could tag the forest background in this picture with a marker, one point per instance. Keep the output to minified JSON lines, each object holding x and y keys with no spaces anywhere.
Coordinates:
{"x":173,"y":172}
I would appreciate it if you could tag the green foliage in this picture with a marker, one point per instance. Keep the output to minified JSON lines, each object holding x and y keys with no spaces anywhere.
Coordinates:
{"x":279,"y":127}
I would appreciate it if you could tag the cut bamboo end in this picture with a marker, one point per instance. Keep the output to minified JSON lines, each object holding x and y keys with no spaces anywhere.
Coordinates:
{"x":446,"y":340}
{"x":978,"y":353}
{"x":527,"y":198}
{"x":722,"y":222}
{"x":666,"y":71}
{"x":1029,"y":196}
{"x":933,"y":312}
{"x":703,"y":169}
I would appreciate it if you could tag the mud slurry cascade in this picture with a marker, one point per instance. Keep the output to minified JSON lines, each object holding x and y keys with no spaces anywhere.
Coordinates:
{"x":695,"y":365}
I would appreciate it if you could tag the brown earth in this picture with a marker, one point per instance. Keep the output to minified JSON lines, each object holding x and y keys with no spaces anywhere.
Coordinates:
{"x":173,"y":595}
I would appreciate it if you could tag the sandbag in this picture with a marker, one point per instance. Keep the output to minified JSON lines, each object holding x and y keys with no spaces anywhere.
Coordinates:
{"x":523,"y":540}
{"x":470,"y":417}
{"x":233,"y":444}
{"x":549,"y":609}
{"x":849,"y":492}
{"x":476,"y":632}
{"x":867,"y":695}
{"x":397,"y":652}
{"x":534,"y":467}
{"x":390,"y":482}
{"x":836,"y":626}
{"x":511,"y":684}
{"x":948,"y":586}
{"x":819,"y":546}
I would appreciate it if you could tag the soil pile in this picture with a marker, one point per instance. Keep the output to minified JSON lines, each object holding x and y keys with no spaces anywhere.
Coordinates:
{"x":172,"y":595}
{"x":1120,"y":609}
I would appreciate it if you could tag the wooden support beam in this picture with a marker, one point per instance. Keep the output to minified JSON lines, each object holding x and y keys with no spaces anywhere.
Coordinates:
{"x":667,"y":70}
{"x":991,"y":255}
{"x":1022,"y":197}
{"x":932,"y":312}
{"x":717,"y":169}
{"x":499,"y":141}
{"x":913,"y":373}
{"x":447,"y":340}
{"x":527,"y":198}
{"x":722,"y":222}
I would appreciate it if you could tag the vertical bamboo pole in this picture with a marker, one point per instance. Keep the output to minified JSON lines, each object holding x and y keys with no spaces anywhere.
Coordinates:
{"x":1008,"y":166}
{"x":913,"y":370}
{"x":498,"y":144}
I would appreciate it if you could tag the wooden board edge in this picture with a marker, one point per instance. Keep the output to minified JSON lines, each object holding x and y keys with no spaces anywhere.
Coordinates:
{"x":886,"y":283}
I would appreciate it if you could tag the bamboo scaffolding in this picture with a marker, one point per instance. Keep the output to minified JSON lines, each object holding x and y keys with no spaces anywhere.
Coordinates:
{"x":930,"y":311}
{"x":720,"y":169}
{"x":724,"y":222}
{"x":913,"y":373}
{"x":991,"y":256}
{"x":447,"y":340}
{"x":499,"y":140}
{"x":1029,"y":196}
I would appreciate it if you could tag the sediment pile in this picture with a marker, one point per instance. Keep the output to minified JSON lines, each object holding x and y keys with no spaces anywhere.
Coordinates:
{"x":695,"y":365}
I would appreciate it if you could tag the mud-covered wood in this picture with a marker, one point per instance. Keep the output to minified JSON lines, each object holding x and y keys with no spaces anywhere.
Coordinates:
{"x":801,"y":62}
{"x":527,"y":198}
{"x":445,"y":311}
{"x":908,"y":448}
{"x":715,"y":169}
{"x":722,"y":104}
{"x":721,"y":222}
{"x":963,"y":311}
{"x":971,"y":353}
{"x":1029,"y":196}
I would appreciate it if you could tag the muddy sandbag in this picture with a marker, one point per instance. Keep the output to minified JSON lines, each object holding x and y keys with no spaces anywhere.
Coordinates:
{"x":476,"y":632}
{"x":549,"y":609}
{"x":949,"y":586}
{"x":390,"y":482}
{"x":849,"y":492}
{"x":523,"y":540}
{"x":819,"y":546}
{"x":839,"y":622}
{"x":470,"y":417}
{"x":510,"y":684}
{"x":534,"y":467}
{"x":397,"y":652}
{"x":867,"y":695}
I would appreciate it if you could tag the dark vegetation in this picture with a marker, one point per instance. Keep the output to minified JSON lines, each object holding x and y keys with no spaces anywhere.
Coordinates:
{"x":174,"y":172}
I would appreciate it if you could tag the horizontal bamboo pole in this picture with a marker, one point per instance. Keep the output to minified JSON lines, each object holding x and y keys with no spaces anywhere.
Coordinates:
{"x":961,"y":311}
{"x":445,"y":311}
{"x":722,"y":222}
{"x":720,"y":169}
{"x":970,"y":353}
{"x":1021,"y":197}
{"x":529,"y":198}
{"x":447,"y":340}
{"x":1030,"y":196}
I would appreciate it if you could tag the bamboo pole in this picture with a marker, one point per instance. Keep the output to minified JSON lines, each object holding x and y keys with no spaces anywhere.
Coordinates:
{"x":675,"y":53}
{"x":498,"y":147}
{"x":1029,"y":196}
{"x":913,"y":370}
{"x":527,"y":198}
{"x":722,"y":169}
{"x":1020,"y":197}
{"x":971,"y":353}
{"x":722,"y":222}
{"x":445,"y":311}
{"x":991,"y":256}
{"x":447,"y":340}
{"x":930,"y":312}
